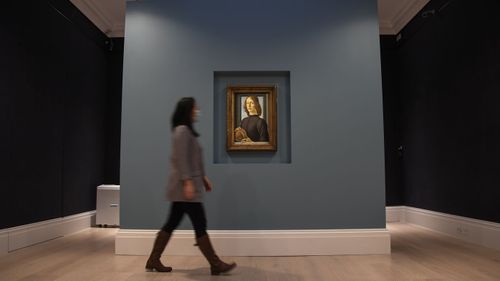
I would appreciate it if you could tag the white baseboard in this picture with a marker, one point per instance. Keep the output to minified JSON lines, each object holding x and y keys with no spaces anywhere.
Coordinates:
{"x":4,"y":242}
{"x":475,"y":231}
{"x":25,"y":235}
{"x":395,"y":214}
{"x":76,"y":223}
{"x":480,"y":232}
{"x":262,"y":242}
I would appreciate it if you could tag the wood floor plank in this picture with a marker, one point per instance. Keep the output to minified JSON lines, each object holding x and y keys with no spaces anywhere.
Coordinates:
{"x":417,"y":254}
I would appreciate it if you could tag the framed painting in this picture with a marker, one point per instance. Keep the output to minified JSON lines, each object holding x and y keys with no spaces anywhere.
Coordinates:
{"x":251,"y":118}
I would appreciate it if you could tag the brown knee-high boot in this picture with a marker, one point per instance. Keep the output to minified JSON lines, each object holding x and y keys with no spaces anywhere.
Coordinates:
{"x":216,"y":265}
{"x":154,"y":262}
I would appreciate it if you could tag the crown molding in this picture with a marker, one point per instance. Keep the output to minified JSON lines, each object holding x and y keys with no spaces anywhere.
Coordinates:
{"x":386,"y":27}
{"x":406,"y":14}
{"x":100,"y":17}
{"x":111,"y":24}
{"x":401,"y":18}
{"x":118,"y":30}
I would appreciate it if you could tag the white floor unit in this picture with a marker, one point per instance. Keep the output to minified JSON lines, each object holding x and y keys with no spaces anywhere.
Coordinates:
{"x":108,"y":205}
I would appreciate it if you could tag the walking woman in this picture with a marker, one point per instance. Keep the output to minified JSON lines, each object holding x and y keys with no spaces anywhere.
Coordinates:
{"x":185,"y":189}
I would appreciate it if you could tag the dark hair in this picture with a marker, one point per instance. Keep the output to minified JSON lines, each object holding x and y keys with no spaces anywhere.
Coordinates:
{"x":183,"y":114}
{"x":256,"y":104}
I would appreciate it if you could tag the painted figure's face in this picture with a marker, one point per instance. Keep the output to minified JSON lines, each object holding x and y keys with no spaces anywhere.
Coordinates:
{"x":251,"y":106}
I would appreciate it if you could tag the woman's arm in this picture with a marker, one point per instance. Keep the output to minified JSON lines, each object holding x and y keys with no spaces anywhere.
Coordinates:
{"x":182,"y":150}
{"x":207,"y":183}
{"x":188,"y":189}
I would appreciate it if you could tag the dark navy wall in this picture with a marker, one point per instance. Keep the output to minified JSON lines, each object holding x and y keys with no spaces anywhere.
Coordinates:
{"x":53,"y":99}
{"x":392,"y":122}
{"x":113,"y":111}
{"x":335,"y":178}
{"x":448,"y":89}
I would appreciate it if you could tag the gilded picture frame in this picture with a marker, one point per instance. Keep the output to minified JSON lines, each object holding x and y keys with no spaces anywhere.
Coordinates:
{"x":251,"y":118}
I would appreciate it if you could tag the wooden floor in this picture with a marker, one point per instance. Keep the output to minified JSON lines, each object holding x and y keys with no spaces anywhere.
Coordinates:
{"x":417,"y":254}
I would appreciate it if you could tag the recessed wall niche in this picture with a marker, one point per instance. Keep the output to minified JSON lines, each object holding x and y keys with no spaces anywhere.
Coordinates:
{"x":278,"y":79}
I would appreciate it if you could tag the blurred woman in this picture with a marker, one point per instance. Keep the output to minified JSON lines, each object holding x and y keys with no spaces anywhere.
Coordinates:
{"x":185,"y":189}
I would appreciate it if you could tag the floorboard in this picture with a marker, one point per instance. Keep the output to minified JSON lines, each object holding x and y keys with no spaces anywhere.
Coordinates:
{"x":417,"y":254}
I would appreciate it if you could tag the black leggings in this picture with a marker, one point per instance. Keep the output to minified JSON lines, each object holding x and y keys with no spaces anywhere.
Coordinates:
{"x":195,"y":212}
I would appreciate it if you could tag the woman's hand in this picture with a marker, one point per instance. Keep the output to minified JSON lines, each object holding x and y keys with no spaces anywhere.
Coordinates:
{"x":188,"y":188}
{"x":207,"y":183}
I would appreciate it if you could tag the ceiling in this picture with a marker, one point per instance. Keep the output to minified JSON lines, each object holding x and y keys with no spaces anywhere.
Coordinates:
{"x":109,"y":15}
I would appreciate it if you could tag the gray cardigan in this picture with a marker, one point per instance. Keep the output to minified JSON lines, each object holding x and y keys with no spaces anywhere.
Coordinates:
{"x":186,"y":163}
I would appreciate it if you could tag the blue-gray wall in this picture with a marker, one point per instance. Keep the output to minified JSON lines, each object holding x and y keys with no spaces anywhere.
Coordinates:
{"x":331,"y":48}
